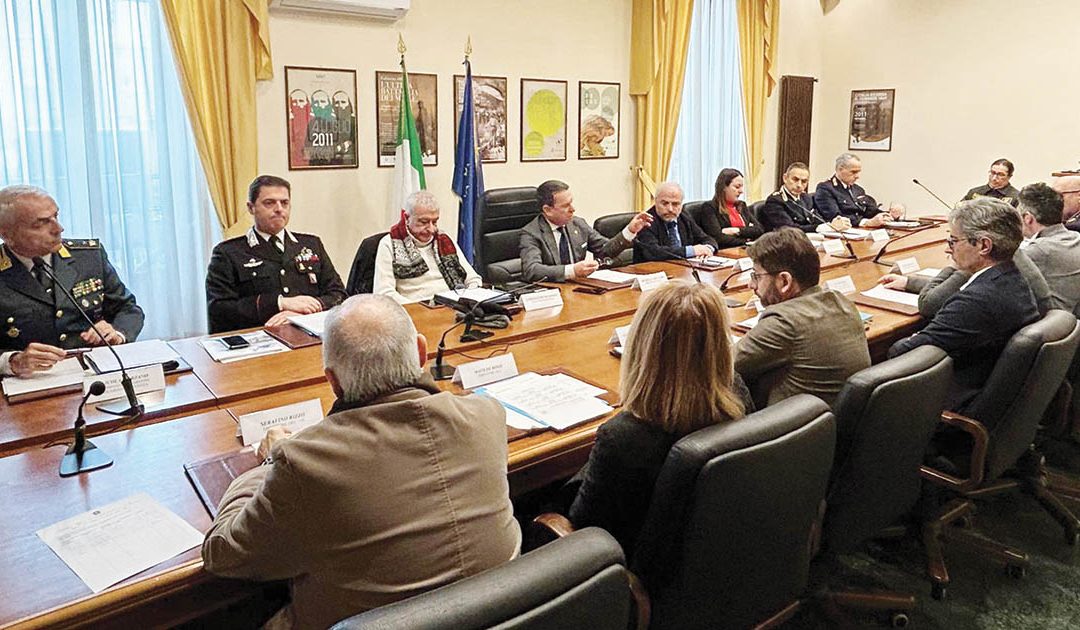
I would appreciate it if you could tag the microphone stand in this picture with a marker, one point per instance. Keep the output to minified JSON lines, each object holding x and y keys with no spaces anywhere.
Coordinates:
{"x":942,"y":201}
{"x":881,"y":252}
{"x":443,"y":371}
{"x":731,"y":302}
{"x":135,"y":408}
{"x":83,"y":455}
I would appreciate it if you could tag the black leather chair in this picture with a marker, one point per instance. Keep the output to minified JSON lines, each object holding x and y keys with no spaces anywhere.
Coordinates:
{"x":576,"y":582}
{"x":695,"y":209}
{"x":500,"y":215}
{"x":611,"y":224}
{"x":362,"y":274}
{"x":755,"y":208}
{"x":1002,"y":423}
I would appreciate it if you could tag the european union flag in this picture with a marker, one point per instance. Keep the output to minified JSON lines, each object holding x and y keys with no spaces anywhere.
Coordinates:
{"x":468,"y":177}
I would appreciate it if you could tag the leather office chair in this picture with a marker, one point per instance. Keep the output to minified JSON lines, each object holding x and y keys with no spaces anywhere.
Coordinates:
{"x":576,"y":582}
{"x":362,"y":274}
{"x":754,"y":209}
{"x":500,"y":215}
{"x":1003,"y":420}
{"x":611,"y":224}
{"x":695,"y":209}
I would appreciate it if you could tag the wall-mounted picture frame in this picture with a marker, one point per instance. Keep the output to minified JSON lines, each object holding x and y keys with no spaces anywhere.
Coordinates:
{"x":424,"y":99}
{"x":598,"y":120}
{"x":320,"y":117}
{"x":489,"y":99}
{"x":543,"y":120}
{"x":871,"y":120}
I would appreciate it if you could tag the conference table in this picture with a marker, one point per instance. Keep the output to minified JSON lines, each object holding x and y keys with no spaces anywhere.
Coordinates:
{"x":196,"y":418}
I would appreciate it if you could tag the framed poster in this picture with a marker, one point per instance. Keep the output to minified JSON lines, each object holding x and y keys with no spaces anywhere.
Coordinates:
{"x":320,"y":114}
{"x":489,"y":98}
{"x":598,"y":120}
{"x":423,"y":97}
{"x":871,"y":120}
{"x":543,"y":120}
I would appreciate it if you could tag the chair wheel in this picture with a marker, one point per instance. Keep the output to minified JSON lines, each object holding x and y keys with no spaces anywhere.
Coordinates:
{"x":1015,"y":571}
{"x":899,"y":620}
{"x":937,"y":591}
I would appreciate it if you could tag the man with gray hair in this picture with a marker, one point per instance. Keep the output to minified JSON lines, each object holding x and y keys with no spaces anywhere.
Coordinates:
{"x":840,"y":196}
{"x":400,"y":489}
{"x":1069,"y":189}
{"x":415,"y":260}
{"x":672,"y":234}
{"x":974,"y":324}
{"x":37,"y":318}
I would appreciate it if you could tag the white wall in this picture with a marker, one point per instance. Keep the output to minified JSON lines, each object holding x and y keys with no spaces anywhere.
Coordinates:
{"x":554,"y":39}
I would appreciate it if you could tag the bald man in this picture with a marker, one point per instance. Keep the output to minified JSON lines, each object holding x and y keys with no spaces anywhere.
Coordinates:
{"x":1069,"y":189}
{"x":673,"y":234}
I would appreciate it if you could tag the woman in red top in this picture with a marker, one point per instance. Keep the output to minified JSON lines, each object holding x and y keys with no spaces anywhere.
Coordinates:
{"x":725,"y":217}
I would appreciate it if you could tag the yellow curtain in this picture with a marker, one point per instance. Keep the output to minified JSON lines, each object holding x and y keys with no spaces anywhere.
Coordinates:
{"x":758,"y":33}
{"x":659,"y":37}
{"x":222,"y":48}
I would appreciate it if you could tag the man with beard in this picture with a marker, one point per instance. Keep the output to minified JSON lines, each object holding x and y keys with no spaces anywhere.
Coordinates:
{"x":320,"y":140}
{"x":299,"y":117}
{"x":807,"y":340}
{"x":345,"y":118}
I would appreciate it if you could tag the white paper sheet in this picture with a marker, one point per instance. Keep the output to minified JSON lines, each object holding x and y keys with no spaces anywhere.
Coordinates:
{"x":610,"y":275}
{"x":133,"y":354}
{"x":259,"y":343}
{"x":478,"y":294}
{"x":892,"y":295}
{"x":855,"y":234}
{"x":65,"y":373}
{"x":115,"y":541}
{"x":718,"y":261}
{"x":312,"y":322}
{"x":929,"y":272}
{"x":557,"y":401}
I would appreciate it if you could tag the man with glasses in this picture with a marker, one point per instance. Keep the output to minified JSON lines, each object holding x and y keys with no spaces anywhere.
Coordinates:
{"x":807,"y":340}
{"x":1069,"y":189}
{"x":976,"y":322}
{"x":998,"y":186}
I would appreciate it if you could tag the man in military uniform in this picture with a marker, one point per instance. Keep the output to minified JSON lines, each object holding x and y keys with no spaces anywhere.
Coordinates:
{"x":998,"y":186}
{"x":841,"y":196}
{"x":37,"y":320}
{"x":791,"y":206}
{"x":270,"y":273}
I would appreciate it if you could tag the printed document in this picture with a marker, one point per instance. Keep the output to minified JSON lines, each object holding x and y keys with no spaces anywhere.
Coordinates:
{"x":892,"y":295}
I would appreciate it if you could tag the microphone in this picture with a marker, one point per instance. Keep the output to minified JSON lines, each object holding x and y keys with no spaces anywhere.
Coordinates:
{"x":727,"y":280}
{"x":881,"y":252}
{"x":697,"y":276}
{"x":83,"y":455}
{"x":443,"y":371}
{"x":847,"y":242}
{"x":920,"y":185}
{"x":135,"y":408}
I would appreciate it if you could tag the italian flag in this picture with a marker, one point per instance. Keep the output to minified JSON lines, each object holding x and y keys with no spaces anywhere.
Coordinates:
{"x":409,"y":161}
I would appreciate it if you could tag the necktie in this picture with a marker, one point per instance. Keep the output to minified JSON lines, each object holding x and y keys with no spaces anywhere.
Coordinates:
{"x":276,"y":242}
{"x":43,"y":278}
{"x":564,"y":247}
{"x":673,"y":233}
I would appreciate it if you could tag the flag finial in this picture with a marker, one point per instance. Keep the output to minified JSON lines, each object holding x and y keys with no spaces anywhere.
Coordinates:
{"x":468,"y":47}
{"x":401,"y":44}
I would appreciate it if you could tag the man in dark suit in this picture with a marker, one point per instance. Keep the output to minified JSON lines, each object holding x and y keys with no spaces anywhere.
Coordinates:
{"x":976,"y":323}
{"x":672,"y":234}
{"x":37,"y":319}
{"x":270,"y":273}
{"x":553,"y":246}
{"x":841,"y":196}
{"x":1054,"y":249}
{"x":792,"y":206}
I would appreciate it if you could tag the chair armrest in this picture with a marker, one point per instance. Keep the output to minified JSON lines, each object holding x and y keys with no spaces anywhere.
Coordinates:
{"x":641,"y":600}
{"x":555,"y":523}
{"x":980,"y":442}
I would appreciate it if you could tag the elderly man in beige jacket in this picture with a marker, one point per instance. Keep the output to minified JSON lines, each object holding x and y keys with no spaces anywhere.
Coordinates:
{"x":401,"y":489}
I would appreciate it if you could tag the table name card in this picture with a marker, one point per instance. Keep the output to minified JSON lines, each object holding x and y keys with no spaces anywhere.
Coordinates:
{"x":745,"y":264}
{"x":843,"y":284}
{"x":649,"y":281}
{"x":541,"y":299}
{"x":478,"y":373}
{"x":878,"y":235}
{"x":149,"y":378}
{"x":253,"y":426}
{"x":833,"y":247}
{"x":907,"y":265}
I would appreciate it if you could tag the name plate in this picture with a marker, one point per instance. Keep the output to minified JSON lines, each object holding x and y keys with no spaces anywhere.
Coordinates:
{"x":755,"y":304}
{"x":149,"y":378}
{"x":908,"y":265}
{"x":650,"y":281}
{"x":478,"y":373}
{"x":878,"y":235}
{"x":541,"y":299}
{"x":745,"y":264}
{"x":843,"y":284}
{"x":253,"y":426}
{"x":620,"y":334}
{"x":833,"y":246}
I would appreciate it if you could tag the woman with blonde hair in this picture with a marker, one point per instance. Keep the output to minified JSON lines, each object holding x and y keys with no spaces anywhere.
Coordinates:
{"x":677,"y":377}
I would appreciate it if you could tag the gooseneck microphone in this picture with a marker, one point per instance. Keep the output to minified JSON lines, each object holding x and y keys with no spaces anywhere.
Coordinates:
{"x":920,"y":185}
{"x":83,"y":455}
{"x":135,"y":408}
{"x":881,"y":252}
{"x":443,"y":371}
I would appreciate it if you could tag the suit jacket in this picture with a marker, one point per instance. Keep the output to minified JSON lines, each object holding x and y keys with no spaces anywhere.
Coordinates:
{"x":713,"y":221}
{"x":652,"y":243}
{"x":781,"y":209}
{"x":810,"y":344}
{"x":247,"y":274}
{"x":933,"y":292}
{"x":974,"y":325}
{"x":1056,"y":252}
{"x":378,"y":502}
{"x":28,"y":313}
{"x":540,"y":251}
{"x":832,"y":198}
{"x":1008,"y":193}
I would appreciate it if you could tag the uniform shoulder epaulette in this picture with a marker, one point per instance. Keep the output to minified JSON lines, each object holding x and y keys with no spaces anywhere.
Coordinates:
{"x":775,"y":193}
{"x":82,"y":243}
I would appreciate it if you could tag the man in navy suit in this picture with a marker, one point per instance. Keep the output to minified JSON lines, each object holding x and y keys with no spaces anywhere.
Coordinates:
{"x":673,"y":234}
{"x":976,"y":323}
{"x":841,"y":196}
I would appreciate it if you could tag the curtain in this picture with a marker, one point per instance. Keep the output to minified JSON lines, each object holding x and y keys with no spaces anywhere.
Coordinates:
{"x":712,"y":129}
{"x":222,"y":47}
{"x":759,"y":23}
{"x":92,"y":113}
{"x":659,"y":35}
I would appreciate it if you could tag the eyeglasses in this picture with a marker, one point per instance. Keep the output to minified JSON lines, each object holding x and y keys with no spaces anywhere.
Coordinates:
{"x":755,"y":276}
{"x":997,"y":174}
{"x":952,"y":240}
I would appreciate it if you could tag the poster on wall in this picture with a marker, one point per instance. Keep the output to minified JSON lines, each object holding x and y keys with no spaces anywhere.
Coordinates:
{"x":320,"y":110}
{"x":423,"y":97}
{"x":598,"y":120}
{"x":871,"y":120}
{"x":489,"y":97}
{"x":543,"y":120}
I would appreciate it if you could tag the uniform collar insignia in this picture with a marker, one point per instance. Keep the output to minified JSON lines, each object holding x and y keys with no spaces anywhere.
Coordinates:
{"x":5,"y":260}
{"x":252,"y":237}
{"x":64,"y":253}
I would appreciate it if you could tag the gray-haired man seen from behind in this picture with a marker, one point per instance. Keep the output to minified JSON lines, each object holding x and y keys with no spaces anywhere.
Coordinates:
{"x":400,"y":489}
{"x":1054,"y":249}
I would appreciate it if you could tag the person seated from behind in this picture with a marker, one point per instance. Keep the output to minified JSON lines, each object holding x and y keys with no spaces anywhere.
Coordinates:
{"x":792,"y":206}
{"x":998,"y":186}
{"x":399,"y":490}
{"x":807,"y":340}
{"x":841,"y":196}
{"x":1054,"y":249}
{"x":553,"y":246}
{"x":416,"y":260}
{"x":676,"y":378}
{"x":1069,"y":189}
{"x":673,"y":234}
{"x":725,"y":217}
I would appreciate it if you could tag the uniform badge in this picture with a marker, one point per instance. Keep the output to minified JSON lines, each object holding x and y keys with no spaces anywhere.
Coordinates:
{"x":306,"y":260}
{"x":5,"y":260}
{"x":13,"y":332}
{"x":252,"y":263}
{"x":312,"y":278}
{"x":63,"y":252}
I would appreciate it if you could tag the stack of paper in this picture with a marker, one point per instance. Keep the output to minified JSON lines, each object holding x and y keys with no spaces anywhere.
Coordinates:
{"x":610,"y":275}
{"x":135,"y":354}
{"x":65,"y":373}
{"x":312,"y":323}
{"x":718,"y":261}
{"x":892,"y":295}
{"x":555,"y":401}
{"x":259,"y":343}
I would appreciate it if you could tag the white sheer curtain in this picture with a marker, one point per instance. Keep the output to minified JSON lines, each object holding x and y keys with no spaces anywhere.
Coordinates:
{"x":712,"y":123}
{"x":92,"y":112}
